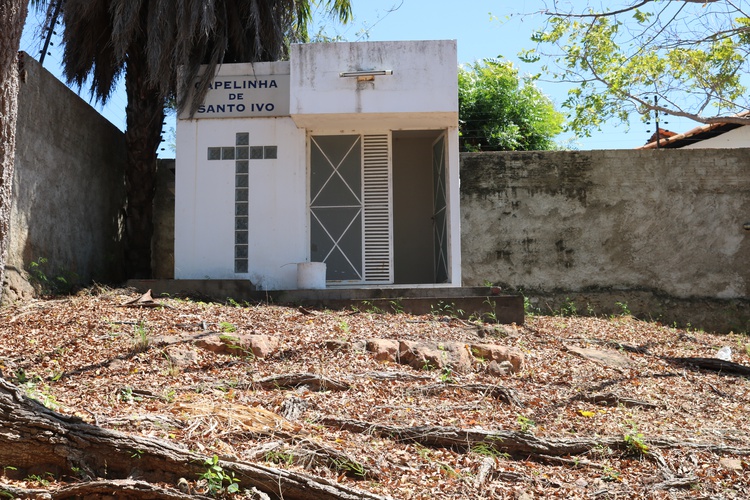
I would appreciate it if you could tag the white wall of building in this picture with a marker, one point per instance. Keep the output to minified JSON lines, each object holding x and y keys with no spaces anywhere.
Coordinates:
{"x":735,"y":138}
{"x":422,"y":92}
{"x":205,"y":188}
{"x":205,"y":203}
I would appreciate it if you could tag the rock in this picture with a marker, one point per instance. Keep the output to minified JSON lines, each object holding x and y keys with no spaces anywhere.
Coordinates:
{"x":423,"y":355}
{"x":496,"y":331}
{"x":181,"y":357}
{"x":383,"y":349}
{"x":212,"y":343}
{"x":336,"y":345}
{"x":460,"y":359}
{"x":498,"y":353}
{"x":731,"y":463}
{"x":608,"y":358}
{"x":420,"y":356}
{"x":433,"y":355}
{"x":162,"y":340}
{"x":359,"y":345}
{"x":16,"y":287}
{"x":499,"y":369}
{"x":260,"y":346}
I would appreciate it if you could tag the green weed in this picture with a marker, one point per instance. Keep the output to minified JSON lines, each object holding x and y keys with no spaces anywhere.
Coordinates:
{"x":279,"y":457}
{"x":488,"y":451}
{"x":43,"y":481}
{"x":446,"y":309}
{"x":349,"y":467}
{"x":43,"y":281}
{"x":446,"y":376}
{"x":624,"y":310}
{"x":525,"y":423}
{"x":215,"y":477}
{"x":634,"y":441}
{"x":397,"y":307}
{"x":227,"y":327}
{"x":141,"y":337}
{"x":371,"y":308}
{"x":610,"y":474}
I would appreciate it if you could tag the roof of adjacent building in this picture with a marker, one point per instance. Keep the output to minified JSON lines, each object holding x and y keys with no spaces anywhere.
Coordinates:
{"x":668,"y":139}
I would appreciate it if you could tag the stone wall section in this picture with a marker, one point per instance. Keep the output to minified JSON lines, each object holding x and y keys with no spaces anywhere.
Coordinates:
{"x":68,"y":188}
{"x":658,"y":228}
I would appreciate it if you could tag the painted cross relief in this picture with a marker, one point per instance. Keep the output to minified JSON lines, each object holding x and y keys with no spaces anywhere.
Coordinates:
{"x":242,"y":153}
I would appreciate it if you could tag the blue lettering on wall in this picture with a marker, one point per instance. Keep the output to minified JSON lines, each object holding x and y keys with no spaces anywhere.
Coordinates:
{"x":241,"y":84}
{"x":235,"y":108}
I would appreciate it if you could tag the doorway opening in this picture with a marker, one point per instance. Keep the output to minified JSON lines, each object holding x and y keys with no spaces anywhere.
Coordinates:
{"x":378,"y":207}
{"x":419,"y":207}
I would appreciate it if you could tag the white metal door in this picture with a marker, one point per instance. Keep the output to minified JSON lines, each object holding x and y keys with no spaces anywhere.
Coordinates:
{"x":440,"y":211}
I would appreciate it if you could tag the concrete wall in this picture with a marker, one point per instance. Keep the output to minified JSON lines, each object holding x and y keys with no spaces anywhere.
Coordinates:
{"x":68,"y":188}
{"x":650,"y":228}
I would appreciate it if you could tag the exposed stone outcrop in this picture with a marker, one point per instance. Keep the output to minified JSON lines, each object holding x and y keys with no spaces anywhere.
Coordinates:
{"x":456,"y":356}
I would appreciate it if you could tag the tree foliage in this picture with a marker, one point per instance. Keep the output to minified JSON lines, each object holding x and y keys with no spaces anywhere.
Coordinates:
{"x":502,"y":111}
{"x":692,"y":54}
{"x":100,"y":35}
{"x":161,"y":46}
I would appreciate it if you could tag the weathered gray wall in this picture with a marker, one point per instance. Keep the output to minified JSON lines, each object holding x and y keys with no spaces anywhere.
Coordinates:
{"x":68,"y":187}
{"x":659,"y":230}
{"x":162,"y":244}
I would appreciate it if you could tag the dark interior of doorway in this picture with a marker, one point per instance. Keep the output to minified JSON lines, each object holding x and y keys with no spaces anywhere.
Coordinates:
{"x":413,"y":238}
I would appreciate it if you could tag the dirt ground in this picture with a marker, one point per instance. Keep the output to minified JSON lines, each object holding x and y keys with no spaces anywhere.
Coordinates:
{"x":601,"y":408}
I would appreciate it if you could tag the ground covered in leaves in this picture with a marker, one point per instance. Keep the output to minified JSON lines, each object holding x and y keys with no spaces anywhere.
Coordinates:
{"x":610,"y":407}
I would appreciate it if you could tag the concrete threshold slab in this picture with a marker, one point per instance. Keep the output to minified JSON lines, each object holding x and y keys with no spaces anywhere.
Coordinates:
{"x":486,"y":303}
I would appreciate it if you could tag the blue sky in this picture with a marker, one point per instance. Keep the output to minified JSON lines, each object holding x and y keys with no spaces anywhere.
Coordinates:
{"x":482,"y":28}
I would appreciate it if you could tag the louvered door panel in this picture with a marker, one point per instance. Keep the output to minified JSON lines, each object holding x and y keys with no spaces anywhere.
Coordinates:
{"x":378,"y":241}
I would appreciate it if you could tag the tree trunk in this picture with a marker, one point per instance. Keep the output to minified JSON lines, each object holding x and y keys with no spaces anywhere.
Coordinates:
{"x":145,"y":117}
{"x":12,"y":19}
{"x":35,"y":440}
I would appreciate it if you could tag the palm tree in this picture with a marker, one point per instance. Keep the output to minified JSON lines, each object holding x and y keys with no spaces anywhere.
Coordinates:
{"x":12,"y":19}
{"x":148,"y":40}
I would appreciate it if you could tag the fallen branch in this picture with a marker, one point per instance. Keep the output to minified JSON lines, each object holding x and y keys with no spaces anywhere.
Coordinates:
{"x":31,"y":436}
{"x":494,"y":391}
{"x":512,"y":442}
{"x":312,"y":381}
{"x":401,"y":376}
{"x":715,"y":364}
{"x":126,"y":488}
{"x":678,"y":482}
{"x":612,"y":399}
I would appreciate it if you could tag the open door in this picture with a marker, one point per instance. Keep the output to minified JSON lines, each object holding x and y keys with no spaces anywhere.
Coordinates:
{"x":440,"y":211}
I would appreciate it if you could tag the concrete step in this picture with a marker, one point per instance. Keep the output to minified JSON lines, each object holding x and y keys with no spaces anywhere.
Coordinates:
{"x":462,"y":302}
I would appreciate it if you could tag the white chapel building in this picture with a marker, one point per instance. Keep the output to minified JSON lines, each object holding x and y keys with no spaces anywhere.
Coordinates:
{"x":345,"y":155}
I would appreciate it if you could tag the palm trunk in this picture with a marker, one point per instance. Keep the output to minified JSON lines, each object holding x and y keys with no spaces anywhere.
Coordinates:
{"x":12,"y":19}
{"x":145,"y":116}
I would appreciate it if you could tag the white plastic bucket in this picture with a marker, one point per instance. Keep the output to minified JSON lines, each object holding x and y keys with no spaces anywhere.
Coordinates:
{"x":311,"y":275}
